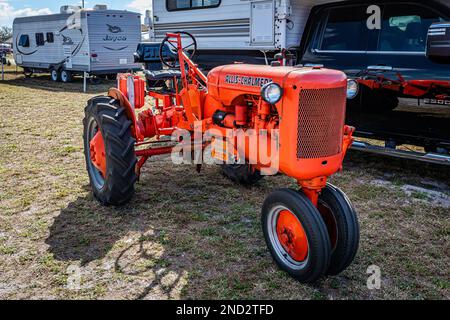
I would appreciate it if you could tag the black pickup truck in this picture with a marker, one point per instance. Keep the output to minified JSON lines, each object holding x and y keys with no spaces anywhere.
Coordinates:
{"x":399,"y":71}
{"x":401,"y":92}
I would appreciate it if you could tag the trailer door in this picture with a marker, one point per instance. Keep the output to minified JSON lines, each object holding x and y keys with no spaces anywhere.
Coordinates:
{"x":262,"y":20}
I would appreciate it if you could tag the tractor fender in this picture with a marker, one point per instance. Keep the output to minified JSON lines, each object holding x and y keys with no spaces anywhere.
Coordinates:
{"x":125,"y":103}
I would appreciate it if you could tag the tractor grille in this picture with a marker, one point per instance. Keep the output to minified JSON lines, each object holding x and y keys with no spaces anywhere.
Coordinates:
{"x":321,"y":114}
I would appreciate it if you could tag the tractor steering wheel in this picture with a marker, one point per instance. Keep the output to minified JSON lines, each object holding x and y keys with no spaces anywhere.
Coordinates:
{"x":189,"y":50}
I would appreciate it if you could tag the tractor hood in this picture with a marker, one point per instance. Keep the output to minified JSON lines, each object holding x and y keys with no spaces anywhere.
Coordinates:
{"x":225,"y":83}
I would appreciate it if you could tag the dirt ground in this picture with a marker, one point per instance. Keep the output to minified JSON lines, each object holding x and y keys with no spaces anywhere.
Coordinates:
{"x":190,"y":235}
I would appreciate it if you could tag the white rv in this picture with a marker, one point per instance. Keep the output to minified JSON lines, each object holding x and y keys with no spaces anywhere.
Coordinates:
{"x":232,"y":25}
{"x":97,"y":41}
{"x":233,"y":30}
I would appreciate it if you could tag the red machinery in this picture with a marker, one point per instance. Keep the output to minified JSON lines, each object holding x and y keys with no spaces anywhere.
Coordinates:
{"x":311,"y":231}
{"x":431,"y":90}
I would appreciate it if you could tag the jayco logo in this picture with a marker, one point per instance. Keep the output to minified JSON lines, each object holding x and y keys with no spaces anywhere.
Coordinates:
{"x":114,"y":38}
{"x":114,"y":29}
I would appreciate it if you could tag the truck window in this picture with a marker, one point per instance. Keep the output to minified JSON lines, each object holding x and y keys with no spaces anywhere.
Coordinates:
{"x":40,"y":39}
{"x":345,"y":30}
{"x":175,"y":5}
{"x":24,"y":41}
{"x":50,"y":37}
{"x":405,"y":26}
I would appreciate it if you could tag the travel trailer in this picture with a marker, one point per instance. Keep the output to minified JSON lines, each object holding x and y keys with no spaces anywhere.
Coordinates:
{"x":97,"y":41}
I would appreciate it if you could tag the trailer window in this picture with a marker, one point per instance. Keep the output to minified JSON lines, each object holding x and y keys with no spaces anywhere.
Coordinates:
{"x":175,"y":5}
{"x":50,"y":37}
{"x":345,"y":30}
{"x":40,"y":39}
{"x":24,"y":41}
{"x":405,"y":27}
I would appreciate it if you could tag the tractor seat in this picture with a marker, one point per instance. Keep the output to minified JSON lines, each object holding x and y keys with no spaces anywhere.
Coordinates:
{"x":161,"y":75}
{"x":162,"y":81}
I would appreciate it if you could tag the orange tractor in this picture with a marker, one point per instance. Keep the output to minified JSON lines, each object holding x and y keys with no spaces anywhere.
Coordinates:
{"x":294,"y":114}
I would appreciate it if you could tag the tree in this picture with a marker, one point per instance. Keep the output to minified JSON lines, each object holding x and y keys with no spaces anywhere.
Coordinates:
{"x":5,"y":33}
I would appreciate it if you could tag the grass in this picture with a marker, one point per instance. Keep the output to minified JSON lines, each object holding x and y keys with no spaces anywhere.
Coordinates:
{"x":189,"y":235}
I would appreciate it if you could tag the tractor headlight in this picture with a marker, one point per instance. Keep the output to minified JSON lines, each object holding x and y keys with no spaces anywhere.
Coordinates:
{"x":271,"y":92}
{"x":352,"y":88}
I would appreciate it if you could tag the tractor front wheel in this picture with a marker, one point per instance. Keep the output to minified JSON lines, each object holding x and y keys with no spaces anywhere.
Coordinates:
{"x":296,"y":235}
{"x":343,"y":229}
{"x":109,"y":151}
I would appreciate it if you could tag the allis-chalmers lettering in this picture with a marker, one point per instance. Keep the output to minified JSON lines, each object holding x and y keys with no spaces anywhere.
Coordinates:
{"x":247,"y":80}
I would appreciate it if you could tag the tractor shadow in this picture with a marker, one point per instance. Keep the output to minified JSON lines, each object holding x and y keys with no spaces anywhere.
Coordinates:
{"x":126,"y":238}
{"x":154,"y":239}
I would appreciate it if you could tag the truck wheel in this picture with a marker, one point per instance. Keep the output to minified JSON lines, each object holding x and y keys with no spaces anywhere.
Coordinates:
{"x":66,"y":76}
{"x":54,"y":75}
{"x":342,"y":225}
{"x":109,"y":151}
{"x":373,"y":101}
{"x":244,"y":174}
{"x":296,"y":235}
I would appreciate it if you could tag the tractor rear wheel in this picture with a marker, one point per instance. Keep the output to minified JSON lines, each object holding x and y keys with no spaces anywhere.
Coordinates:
{"x":343,"y":229}
{"x":109,"y":151}
{"x":296,"y":235}
{"x":244,"y":174}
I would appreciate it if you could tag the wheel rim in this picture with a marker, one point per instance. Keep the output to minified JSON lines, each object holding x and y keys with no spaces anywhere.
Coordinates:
{"x":330,"y":221}
{"x":64,"y":76}
{"x":54,"y":75}
{"x":95,"y":152}
{"x":288,"y":238}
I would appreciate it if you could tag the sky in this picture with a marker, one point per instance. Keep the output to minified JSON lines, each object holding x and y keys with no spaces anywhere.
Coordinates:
{"x":10,"y":9}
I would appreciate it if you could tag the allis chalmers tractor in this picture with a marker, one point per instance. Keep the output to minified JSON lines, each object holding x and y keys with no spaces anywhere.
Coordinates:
{"x":310,"y":231}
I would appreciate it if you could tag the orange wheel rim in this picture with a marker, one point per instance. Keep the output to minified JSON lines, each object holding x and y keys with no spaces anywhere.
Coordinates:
{"x":97,"y":150}
{"x":292,"y":236}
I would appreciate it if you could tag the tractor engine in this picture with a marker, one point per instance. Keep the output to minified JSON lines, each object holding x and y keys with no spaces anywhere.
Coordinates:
{"x":307,"y":105}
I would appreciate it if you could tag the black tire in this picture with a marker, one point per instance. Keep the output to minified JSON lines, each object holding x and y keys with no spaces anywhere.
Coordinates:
{"x":317,"y":261}
{"x":55,"y":75}
{"x":343,"y":229}
{"x":118,"y":185}
{"x":95,"y":80}
{"x":373,"y":101}
{"x":28,"y":72}
{"x":66,"y":76}
{"x":241,"y":173}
